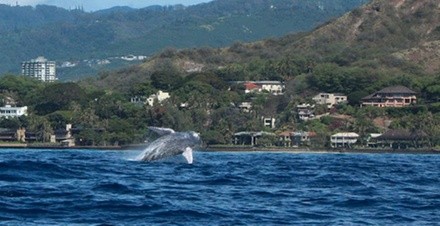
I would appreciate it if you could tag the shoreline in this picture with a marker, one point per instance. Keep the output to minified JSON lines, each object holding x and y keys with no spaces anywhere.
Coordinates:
{"x":236,"y":149}
{"x":322,"y":150}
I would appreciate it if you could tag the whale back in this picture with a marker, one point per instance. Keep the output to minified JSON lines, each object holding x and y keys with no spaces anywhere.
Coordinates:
{"x":170,"y":145}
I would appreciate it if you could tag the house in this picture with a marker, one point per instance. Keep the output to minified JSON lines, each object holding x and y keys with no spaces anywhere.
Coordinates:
{"x":343,"y":140}
{"x":65,"y":137}
{"x":245,"y":106}
{"x":269,"y":122}
{"x":139,"y":100}
{"x":372,"y":140}
{"x":272,"y":87}
{"x":12,"y":112}
{"x":395,"y":96}
{"x":301,"y":138}
{"x":160,"y":96}
{"x":330,"y":99}
{"x":250,"y":138}
{"x":305,"y":111}
{"x":285,"y":139}
{"x":8,"y":135}
{"x":403,"y":139}
{"x":295,"y":139}
{"x":251,"y":87}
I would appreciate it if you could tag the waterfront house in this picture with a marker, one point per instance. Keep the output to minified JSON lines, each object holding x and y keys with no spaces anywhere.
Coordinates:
{"x":250,"y":138}
{"x":403,"y":139}
{"x":295,"y":139}
{"x":343,"y":140}
{"x":395,"y":96}
{"x":330,"y":99}
{"x":285,"y":138}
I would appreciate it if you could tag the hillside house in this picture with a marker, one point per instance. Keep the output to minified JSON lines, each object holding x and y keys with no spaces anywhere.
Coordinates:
{"x":330,"y":99}
{"x":245,"y":107}
{"x":272,"y":87}
{"x":160,"y":96}
{"x":305,"y":111}
{"x":12,"y":112}
{"x":395,"y":96}
{"x":269,"y":122}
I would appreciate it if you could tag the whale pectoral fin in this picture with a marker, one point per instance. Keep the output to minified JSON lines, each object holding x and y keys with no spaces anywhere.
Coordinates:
{"x":188,"y":154}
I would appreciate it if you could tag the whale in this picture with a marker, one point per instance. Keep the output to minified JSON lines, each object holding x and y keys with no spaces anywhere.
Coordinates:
{"x":171,"y":143}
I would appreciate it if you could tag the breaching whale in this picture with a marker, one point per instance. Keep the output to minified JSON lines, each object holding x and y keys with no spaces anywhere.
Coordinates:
{"x":171,"y":143}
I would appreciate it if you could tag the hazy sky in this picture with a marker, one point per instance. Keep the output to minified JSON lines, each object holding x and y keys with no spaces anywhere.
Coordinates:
{"x":93,"y":5}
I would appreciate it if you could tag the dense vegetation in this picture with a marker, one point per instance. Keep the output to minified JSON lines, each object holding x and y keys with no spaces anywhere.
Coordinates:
{"x":75,"y":35}
{"x":319,"y":61}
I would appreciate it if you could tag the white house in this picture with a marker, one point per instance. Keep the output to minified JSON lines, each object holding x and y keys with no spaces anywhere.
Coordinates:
{"x":330,"y":99}
{"x":245,"y":106}
{"x":160,"y":96}
{"x":272,"y":87}
{"x":269,"y":122}
{"x":343,"y":140}
{"x":11,"y":112}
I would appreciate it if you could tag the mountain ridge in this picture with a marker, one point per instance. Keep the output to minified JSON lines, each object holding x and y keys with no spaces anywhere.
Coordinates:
{"x":75,"y":34}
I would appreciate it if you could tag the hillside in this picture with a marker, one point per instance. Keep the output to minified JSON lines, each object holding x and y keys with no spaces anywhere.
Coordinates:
{"x":74,"y":35}
{"x":371,"y":50}
{"x":383,"y":39}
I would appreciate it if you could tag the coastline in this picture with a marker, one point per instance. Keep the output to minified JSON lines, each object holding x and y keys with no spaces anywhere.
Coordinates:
{"x":234,"y":149}
{"x":320,"y":150}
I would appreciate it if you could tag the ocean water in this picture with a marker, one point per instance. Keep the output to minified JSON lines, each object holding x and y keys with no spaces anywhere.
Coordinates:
{"x":91,"y":187}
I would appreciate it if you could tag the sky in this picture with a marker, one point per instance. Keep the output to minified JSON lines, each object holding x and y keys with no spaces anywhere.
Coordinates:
{"x":93,"y":5}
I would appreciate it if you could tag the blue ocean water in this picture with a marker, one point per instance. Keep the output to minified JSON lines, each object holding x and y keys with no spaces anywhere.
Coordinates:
{"x":91,"y":187}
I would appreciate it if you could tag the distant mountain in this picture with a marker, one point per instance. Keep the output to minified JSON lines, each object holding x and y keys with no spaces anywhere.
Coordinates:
{"x":74,"y":35}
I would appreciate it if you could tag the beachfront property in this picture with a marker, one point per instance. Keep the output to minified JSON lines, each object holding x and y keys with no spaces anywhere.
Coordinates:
{"x":403,"y":139}
{"x":394,"y":96}
{"x":250,"y":138}
{"x":40,"y":68}
{"x":343,"y":140}
{"x":12,"y":112}
{"x":330,"y":99}
{"x":295,"y":139}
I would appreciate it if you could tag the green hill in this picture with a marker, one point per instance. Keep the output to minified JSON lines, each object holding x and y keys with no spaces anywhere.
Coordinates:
{"x":74,"y":35}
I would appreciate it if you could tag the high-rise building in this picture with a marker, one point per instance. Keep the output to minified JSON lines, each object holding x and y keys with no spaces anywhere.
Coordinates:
{"x":40,"y":68}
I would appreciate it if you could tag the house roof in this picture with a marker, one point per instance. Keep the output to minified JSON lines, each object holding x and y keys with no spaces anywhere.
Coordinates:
{"x":390,"y":90}
{"x":396,"y":89}
{"x":350,"y":134}
{"x":250,"y":86}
